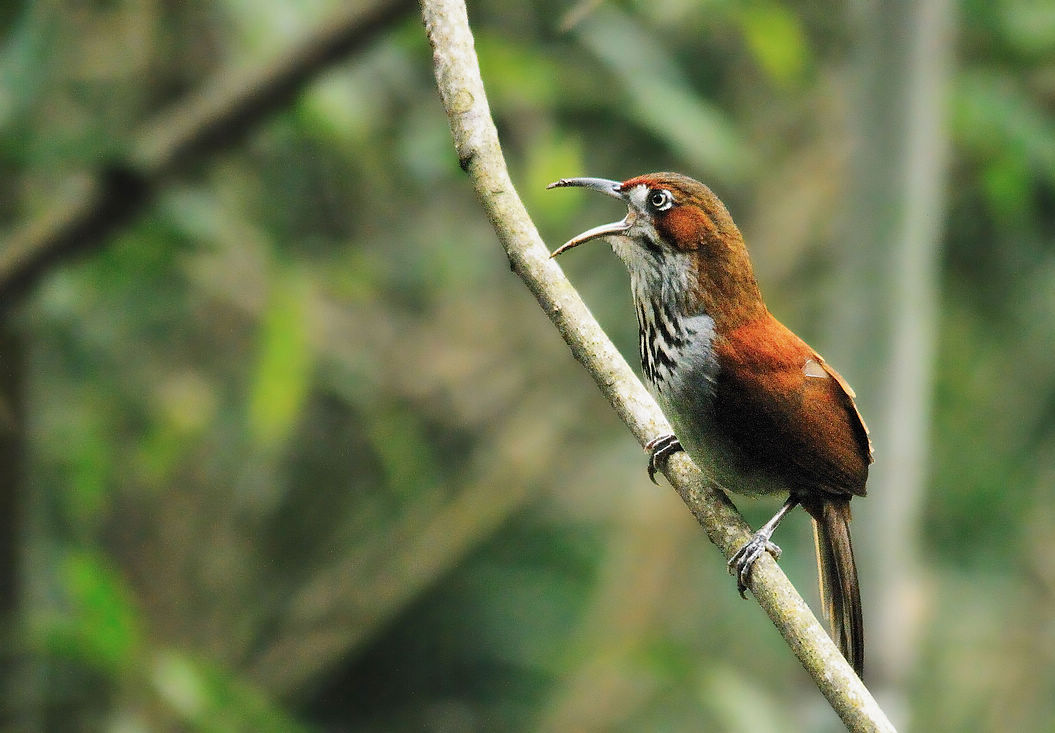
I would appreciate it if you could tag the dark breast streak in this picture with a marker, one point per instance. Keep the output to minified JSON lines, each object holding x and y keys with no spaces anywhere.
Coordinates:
{"x":661,"y":337}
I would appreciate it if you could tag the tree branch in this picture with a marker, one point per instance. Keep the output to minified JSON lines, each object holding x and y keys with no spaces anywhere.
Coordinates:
{"x":476,"y":143}
{"x":216,"y":118}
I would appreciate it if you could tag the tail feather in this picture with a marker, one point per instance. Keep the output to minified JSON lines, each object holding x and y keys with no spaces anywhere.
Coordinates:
{"x":840,"y":592}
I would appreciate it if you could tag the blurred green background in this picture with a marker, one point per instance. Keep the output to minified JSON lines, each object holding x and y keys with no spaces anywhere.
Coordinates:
{"x":300,"y":453}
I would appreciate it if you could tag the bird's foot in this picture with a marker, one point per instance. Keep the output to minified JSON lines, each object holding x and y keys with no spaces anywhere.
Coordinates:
{"x":741,"y":563}
{"x":659,"y":450}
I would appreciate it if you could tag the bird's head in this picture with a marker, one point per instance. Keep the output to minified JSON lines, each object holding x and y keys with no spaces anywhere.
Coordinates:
{"x":676,"y":235}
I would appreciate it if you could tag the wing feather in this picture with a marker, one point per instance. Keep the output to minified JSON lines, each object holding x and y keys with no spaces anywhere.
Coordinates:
{"x":803,"y":428}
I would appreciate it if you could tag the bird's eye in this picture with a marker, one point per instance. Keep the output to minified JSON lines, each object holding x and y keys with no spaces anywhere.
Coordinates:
{"x":660,"y":199}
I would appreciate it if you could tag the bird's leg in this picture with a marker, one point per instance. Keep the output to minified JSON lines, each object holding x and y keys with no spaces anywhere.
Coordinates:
{"x":741,"y":563}
{"x":659,"y":450}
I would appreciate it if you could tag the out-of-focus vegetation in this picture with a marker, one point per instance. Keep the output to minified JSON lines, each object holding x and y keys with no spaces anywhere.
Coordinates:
{"x":303,"y":455}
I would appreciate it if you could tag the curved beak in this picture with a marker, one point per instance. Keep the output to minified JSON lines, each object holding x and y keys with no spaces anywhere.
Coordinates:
{"x":605,"y":186}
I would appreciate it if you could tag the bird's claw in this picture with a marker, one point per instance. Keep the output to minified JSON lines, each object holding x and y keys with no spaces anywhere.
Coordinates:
{"x":743,"y":561}
{"x":659,"y":450}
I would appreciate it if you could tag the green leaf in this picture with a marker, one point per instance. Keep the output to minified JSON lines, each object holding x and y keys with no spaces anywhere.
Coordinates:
{"x":775,"y":38}
{"x":184,"y":405}
{"x":90,"y":453}
{"x":555,"y":156}
{"x":517,"y":75}
{"x":408,"y":460}
{"x":101,"y":627}
{"x":210,"y":698}
{"x":284,"y":361}
{"x":23,"y":67}
{"x":1007,"y":184}
{"x":1029,"y":25}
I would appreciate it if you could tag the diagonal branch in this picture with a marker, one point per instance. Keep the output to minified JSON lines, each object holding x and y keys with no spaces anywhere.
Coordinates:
{"x":476,"y":142}
{"x":216,"y":118}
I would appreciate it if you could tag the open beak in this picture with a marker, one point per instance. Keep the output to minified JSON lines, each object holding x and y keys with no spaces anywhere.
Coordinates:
{"x":609,"y":188}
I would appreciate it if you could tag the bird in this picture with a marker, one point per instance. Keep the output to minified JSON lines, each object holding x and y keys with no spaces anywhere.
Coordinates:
{"x":757,"y":409}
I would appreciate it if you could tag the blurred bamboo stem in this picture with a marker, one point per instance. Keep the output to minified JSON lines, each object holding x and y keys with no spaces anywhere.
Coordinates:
{"x":216,"y":118}
{"x":480,"y":155}
{"x":885,"y":328}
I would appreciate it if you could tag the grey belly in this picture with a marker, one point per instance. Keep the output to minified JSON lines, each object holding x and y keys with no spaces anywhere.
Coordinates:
{"x":689,"y":410}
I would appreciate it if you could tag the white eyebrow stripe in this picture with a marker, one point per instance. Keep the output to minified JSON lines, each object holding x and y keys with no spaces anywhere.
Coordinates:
{"x":813,"y":368}
{"x":637,"y":196}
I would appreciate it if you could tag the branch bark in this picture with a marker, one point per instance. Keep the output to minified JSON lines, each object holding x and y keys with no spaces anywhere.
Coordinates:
{"x":216,"y":118}
{"x":476,"y":143}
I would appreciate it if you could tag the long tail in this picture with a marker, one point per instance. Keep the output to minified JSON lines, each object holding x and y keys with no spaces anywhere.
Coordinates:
{"x":840,"y":592}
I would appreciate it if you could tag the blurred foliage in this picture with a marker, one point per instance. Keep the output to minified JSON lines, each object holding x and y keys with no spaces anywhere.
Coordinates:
{"x":304,"y":455}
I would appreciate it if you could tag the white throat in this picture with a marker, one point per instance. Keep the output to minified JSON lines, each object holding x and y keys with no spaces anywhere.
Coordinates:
{"x":675,"y":347}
